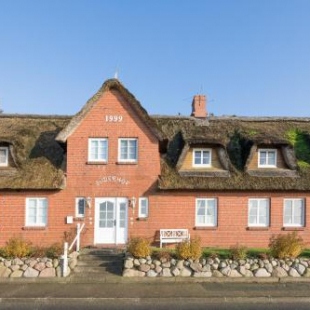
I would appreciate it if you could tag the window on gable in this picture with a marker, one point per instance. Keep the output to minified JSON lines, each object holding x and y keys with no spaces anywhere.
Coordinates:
{"x":267,"y":158}
{"x":127,"y":150}
{"x":294,"y":212}
{"x":258,"y":212}
{"x":98,"y":150}
{"x":80,"y":203}
{"x":36,"y":211}
{"x":202,"y":158}
{"x":206,"y":212}
{"x":4,"y":156}
{"x":143,"y":207}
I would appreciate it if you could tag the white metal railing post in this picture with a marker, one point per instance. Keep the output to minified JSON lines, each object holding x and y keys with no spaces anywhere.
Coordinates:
{"x":65,"y":260}
{"x":78,"y":237}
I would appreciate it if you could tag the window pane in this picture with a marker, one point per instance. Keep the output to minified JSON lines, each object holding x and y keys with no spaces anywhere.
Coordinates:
{"x":262,"y":158}
{"x":3,"y":156}
{"x":81,"y":206}
{"x":271,"y":158}
{"x":36,"y":211}
{"x":258,"y":212}
{"x":197,"y":157}
{"x":123,"y":150}
{"x":143,"y":207}
{"x":132,"y":149}
{"x":206,"y":157}
{"x":206,"y":212}
{"x":294,"y":212}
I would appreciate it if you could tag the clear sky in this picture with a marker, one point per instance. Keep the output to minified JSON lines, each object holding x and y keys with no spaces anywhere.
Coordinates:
{"x":250,"y":57}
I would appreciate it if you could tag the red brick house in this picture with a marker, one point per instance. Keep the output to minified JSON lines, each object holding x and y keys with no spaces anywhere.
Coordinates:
{"x":124,"y":173}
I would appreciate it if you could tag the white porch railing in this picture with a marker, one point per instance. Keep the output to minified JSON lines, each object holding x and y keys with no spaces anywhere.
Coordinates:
{"x":67,"y":248}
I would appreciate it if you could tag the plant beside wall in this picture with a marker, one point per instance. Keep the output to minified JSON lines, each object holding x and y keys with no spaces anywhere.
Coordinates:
{"x":286,"y":246}
{"x":16,"y":247}
{"x":189,"y":249}
{"x":187,"y":259}
{"x":20,"y":247}
{"x":139,"y":247}
{"x":238,"y":251}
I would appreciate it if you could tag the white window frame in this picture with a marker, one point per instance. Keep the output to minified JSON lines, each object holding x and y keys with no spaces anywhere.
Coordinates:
{"x":201,"y":164}
{"x":208,"y":220}
{"x":40,"y":203}
{"x":259,"y":210}
{"x":267,"y":165}
{"x":127,"y":159}
{"x":143,"y":207}
{"x":292,"y":222}
{"x":90,"y":154}
{"x":77,"y":209}
{"x":6,"y":159}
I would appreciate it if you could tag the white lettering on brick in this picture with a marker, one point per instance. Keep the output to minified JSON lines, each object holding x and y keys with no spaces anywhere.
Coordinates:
{"x":112,"y":179}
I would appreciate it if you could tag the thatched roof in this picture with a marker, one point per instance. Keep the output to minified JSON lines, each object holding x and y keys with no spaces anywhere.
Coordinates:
{"x":37,"y":160}
{"x":37,"y":147}
{"x":109,"y":85}
{"x":238,"y":137}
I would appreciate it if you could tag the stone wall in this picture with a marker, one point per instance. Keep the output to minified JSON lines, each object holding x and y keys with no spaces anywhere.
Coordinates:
{"x":208,"y":267}
{"x":35,"y":267}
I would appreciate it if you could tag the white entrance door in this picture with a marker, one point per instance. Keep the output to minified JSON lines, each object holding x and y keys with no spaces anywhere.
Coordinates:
{"x":111,"y":220}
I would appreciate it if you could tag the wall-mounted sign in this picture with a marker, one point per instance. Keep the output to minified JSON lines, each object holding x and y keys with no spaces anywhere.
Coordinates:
{"x":114,"y":118}
{"x":112,"y":179}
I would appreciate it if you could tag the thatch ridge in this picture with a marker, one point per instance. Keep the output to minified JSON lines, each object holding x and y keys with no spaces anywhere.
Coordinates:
{"x":109,"y":85}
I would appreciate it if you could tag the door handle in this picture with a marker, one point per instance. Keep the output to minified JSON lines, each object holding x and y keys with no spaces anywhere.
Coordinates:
{"x":114,"y":222}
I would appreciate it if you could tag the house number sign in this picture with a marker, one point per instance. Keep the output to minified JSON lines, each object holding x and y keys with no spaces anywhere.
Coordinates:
{"x":114,"y":118}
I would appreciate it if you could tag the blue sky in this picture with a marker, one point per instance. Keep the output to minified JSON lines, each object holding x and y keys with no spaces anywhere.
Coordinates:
{"x":250,"y":57}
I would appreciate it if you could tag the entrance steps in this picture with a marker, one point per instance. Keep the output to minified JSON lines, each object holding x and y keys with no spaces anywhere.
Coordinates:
{"x":98,"y":263}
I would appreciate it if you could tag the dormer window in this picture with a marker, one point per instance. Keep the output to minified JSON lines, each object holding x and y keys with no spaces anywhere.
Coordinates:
{"x":201,"y":158}
{"x":4,"y":156}
{"x":267,"y":158}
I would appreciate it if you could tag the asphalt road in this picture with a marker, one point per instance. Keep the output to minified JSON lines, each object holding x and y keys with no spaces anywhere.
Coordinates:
{"x":154,"y":303}
{"x":155,"y":295}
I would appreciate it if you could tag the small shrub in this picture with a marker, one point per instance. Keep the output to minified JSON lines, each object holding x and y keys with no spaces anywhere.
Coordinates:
{"x":139,"y":247}
{"x":189,"y":249}
{"x":163,"y":255}
{"x":38,"y":251}
{"x":238,"y":251}
{"x":54,"y":251}
{"x":286,"y":246}
{"x":17,"y":247}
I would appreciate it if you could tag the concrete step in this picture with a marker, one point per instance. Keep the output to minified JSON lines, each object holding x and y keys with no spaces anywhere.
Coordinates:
{"x":98,"y":263}
{"x":90,"y":257}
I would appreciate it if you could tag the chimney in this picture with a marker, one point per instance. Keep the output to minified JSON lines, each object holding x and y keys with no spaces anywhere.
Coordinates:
{"x":199,"y":106}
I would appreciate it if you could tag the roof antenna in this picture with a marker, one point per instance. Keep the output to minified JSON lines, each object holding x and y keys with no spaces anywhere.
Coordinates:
{"x":116,"y":73}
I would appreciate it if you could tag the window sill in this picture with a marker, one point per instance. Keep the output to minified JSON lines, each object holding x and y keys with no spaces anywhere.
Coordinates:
{"x":142,"y":219}
{"x":293,"y":228}
{"x":126,"y":162}
{"x":96,"y":163}
{"x":257,"y":228}
{"x":34,"y":228}
{"x":205,"y":228}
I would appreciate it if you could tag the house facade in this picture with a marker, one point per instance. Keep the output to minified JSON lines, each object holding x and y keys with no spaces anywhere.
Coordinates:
{"x":123,"y":173}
